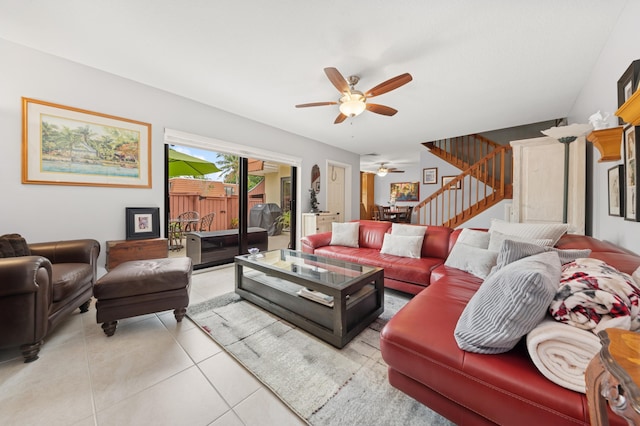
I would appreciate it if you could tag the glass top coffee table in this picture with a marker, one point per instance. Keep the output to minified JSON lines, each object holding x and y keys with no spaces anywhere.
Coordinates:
{"x":332,"y":299}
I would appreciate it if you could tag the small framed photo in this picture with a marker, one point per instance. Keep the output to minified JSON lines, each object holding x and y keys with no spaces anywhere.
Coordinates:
{"x":142,"y":223}
{"x":447,"y":179}
{"x":430,"y":176}
{"x":616,"y":190}
{"x":631,"y":203}
{"x":628,"y":84}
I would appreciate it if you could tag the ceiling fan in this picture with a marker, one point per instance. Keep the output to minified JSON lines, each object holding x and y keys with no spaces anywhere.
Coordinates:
{"x":353,"y":102}
{"x":382,"y":170}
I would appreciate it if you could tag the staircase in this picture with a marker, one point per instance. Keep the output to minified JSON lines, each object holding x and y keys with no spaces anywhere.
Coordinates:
{"x":484,"y":182}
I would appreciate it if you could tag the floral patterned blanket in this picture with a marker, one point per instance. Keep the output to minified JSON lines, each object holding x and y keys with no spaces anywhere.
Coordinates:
{"x":593,"y":296}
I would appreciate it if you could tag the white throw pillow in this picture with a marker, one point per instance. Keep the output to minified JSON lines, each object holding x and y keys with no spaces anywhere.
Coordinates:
{"x":345,"y":234}
{"x":402,"y":245}
{"x":497,"y":238}
{"x":474,"y":238}
{"x":509,"y":304}
{"x":411,"y":230}
{"x":474,"y":260}
{"x":532,"y":231}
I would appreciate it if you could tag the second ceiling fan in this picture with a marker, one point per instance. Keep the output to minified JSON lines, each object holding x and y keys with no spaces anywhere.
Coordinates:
{"x":352,"y":102}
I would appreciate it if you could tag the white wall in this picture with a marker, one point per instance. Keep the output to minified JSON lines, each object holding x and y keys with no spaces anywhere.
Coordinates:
{"x":600,"y":93}
{"x":52,"y":212}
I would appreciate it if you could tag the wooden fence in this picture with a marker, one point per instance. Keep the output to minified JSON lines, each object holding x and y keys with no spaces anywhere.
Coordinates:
{"x":207,"y":197}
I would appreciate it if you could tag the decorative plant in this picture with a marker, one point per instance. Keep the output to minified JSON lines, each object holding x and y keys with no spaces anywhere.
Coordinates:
{"x":284,"y":220}
{"x":234,"y":223}
{"x":313,"y":200}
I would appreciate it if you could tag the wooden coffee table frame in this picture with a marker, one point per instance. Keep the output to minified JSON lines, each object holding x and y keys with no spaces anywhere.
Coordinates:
{"x":357,"y":303}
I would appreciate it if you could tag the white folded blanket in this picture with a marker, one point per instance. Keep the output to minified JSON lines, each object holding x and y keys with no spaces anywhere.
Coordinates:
{"x":562,"y":352}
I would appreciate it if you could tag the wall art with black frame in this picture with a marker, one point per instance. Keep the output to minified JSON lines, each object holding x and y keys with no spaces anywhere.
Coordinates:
{"x":628,"y":84}
{"x":142,"y":222}
{"x":616,"y":190}
{"x":631,"y":171}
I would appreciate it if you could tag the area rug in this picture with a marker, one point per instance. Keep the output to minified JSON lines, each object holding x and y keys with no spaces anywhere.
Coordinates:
{"x":322,"y":384}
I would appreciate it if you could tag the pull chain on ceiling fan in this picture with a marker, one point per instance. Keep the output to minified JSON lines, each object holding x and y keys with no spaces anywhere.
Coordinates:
{"x":353,"y":102}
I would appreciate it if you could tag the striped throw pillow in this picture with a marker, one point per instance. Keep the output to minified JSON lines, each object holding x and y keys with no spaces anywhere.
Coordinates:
{"x":509,"y":304}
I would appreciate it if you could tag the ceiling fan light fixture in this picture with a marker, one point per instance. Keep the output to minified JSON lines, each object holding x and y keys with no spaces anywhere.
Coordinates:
{"x":352,"y":104}
{"x":382,"y":171}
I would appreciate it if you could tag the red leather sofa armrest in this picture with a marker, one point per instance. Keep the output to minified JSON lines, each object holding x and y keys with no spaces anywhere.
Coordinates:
{"x":312,"y":242}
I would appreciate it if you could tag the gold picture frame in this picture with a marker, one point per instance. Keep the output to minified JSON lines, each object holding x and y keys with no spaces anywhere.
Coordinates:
{"x":62,"y":145}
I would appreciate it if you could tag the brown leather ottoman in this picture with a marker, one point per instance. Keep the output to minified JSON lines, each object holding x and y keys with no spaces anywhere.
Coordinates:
{"x":142,"y":287}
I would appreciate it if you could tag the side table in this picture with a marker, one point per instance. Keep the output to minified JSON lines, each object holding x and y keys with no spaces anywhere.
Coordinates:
{"x":613,"y":376}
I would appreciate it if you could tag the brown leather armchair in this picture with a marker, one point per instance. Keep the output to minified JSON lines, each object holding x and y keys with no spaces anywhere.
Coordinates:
{"x":38,"y":291}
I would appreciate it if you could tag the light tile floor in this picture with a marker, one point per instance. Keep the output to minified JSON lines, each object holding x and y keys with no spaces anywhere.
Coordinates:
{"x":152,"y":371}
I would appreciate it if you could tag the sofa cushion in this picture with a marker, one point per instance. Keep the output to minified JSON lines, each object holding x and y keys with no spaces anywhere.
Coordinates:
{"x":509,"y":304}
{"x":67,"y":277}
{"x":497,"y":238}
{"x":474,"y":238}
{"x":436,"y":242}
{"x":13,"y":245}
{"x":372,"y":233}
{"x":412,"y":230}
{"x":534,"y":231}
{"x":511,"y":251}
{"x":474,"y":260}
{"x":345,"y":234}
{"x":402,"y":245}
{"x":406,"y":269}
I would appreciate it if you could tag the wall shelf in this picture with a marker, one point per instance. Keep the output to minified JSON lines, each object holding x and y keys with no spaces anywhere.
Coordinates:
{"x":630,"y":110}
{"x":607,"y":141}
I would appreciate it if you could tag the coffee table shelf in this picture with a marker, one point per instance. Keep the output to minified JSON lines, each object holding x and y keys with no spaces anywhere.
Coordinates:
{"x":272,"y":281}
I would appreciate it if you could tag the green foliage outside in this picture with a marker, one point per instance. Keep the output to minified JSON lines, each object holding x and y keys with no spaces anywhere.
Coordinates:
{"x":229,"y":165}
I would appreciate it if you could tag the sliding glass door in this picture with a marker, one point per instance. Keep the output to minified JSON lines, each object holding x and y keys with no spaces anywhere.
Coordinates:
{"x":214,"y":216}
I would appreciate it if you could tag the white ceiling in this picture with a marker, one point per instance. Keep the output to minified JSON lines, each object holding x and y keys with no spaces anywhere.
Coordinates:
{"x":476,"y":65}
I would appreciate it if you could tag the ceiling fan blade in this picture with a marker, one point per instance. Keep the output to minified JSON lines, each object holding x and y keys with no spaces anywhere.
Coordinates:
{"x":395,"y":171}
{"x":314,"y":104}
{"x":337,"y":80}
{"x":389,"y":85}
{"x":340,"y":118}
{"x":381,"y":109}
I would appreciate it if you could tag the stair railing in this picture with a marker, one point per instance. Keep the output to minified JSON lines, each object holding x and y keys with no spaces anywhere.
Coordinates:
{"x":479,"y":187}
{"x":462,"y":151}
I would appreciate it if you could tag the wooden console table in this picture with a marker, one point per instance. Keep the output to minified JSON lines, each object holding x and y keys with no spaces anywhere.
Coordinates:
{"x":613,"y":376}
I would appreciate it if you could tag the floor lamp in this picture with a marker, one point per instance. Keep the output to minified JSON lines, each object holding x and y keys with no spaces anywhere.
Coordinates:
{"x":565,"y":135}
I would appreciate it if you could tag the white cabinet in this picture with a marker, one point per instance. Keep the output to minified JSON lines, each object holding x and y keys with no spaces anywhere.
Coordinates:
{"x":315,"y":223}
{"x":538,"y":182}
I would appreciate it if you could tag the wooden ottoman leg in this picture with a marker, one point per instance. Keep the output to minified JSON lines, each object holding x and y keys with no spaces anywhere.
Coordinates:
{"x":109,"y":327}
{"x":179,"y":313}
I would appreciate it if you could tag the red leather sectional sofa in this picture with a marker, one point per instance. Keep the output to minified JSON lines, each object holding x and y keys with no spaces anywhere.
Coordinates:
{"x":400,"y":273}
{"x":425,"y":362}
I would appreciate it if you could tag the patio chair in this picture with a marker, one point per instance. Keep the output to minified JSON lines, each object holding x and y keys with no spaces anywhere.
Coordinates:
{"x":206,"y":221}
{"x":188,"y":221}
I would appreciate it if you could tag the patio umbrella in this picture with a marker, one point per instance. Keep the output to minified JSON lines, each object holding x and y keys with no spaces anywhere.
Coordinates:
{"x":185,"y":165}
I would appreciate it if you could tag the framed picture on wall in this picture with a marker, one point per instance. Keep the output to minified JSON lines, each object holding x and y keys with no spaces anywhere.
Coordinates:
{"x":447,"y":179}
{"x":142,"y":223}
{"x":405,"y":191}
{"x":616,"y":190}
{"x":430,"y":176}
{"x":63,"y":145}
{"x":628,"y":84}
{"x":631,"y":174}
